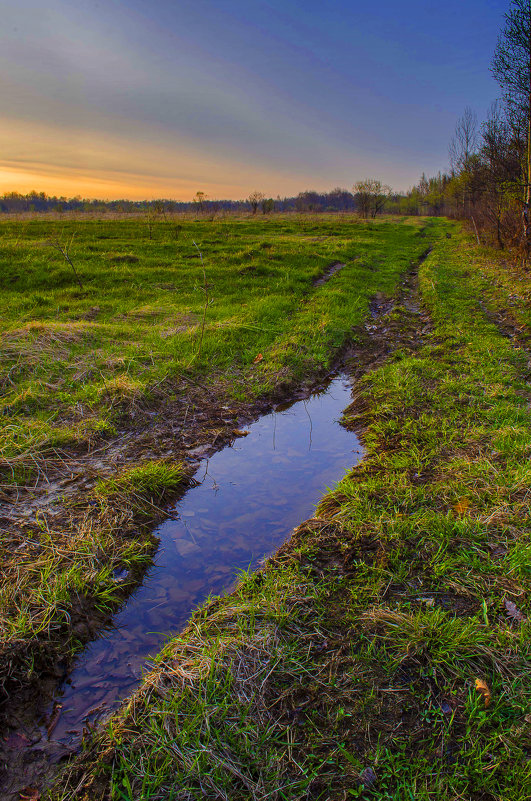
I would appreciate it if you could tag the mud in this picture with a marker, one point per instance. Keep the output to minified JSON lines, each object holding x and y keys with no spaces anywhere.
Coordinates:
{"x":248,"y":499}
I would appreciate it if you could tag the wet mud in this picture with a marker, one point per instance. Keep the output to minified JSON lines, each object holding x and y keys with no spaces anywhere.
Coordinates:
{"x":328,"y":272}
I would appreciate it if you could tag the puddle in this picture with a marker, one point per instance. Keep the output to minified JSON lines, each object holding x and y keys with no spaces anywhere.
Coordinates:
{"x":250,"y":497}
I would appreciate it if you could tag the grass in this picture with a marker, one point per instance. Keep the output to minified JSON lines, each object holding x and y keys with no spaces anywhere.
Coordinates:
{"x":149,"y":483}
{"x":58,"y":583}
{"x":106,"y":384}
{"x":73,"y":358}
{"x":384,"y":652}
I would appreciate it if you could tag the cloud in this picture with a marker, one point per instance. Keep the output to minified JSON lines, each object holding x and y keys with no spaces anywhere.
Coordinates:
{"x":151,"y":99}
{"x":77,"y":160}
{"x":70,"y":78}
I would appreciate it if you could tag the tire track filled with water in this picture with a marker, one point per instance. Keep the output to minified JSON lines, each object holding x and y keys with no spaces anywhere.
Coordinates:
{"x":250,"y":496}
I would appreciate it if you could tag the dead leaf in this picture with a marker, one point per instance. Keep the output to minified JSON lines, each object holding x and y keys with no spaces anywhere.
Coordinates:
{"x":54,"y":719}
{"x":258,"y":358}
{"x":513,"y":611}
{"x":29,"y":794}
{"x":483,"y":689}
{"x":462,"y":505}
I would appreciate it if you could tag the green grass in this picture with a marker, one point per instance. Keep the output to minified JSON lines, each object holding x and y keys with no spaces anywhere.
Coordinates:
{"x":73,"y":359}
{"x":80,"y":366}
{"x":153,"y":481}
{"x":350,"y":666}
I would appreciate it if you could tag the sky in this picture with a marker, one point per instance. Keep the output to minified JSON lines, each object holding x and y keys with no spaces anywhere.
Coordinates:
{"x":163,"y":98}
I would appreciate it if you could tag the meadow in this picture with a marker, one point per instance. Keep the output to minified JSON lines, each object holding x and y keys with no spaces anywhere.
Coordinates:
{"x":125,"y":343}
{"x":137,"y":310}
{"x":383,"y":651}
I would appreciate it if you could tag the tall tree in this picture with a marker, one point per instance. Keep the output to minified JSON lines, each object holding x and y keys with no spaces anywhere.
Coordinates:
{"x":464,"y":141}
{"x":461,"y":151}
{"x":511,"y":67}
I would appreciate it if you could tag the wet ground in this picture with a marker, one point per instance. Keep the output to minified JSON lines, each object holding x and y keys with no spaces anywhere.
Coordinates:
{"x":249,"y":498}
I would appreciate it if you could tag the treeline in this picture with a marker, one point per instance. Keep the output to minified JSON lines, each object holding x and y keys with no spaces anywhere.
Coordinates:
{"x":368,"y":198}
{"x":489,"y":180}
{"x":15,"y":202}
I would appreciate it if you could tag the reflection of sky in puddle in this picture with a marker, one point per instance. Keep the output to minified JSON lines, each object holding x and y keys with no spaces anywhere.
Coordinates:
{"x":251,"y":496}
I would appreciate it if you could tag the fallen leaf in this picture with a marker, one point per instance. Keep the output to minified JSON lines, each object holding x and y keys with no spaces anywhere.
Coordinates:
{"x":462,"y":505}
{"x":483,"y":689}
{"x":54,"y":719}
{"x":513,"y":611}
{"x":258,"y":358}
{"x":29,"y":794}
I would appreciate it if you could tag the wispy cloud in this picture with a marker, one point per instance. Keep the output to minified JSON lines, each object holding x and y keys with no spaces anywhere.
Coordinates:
{"x":151,"y":99}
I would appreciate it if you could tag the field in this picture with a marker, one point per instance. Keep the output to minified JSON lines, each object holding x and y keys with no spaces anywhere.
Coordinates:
{"x":116,"y":364}
{"x":383,"y":652}
{"x":141,"y":316}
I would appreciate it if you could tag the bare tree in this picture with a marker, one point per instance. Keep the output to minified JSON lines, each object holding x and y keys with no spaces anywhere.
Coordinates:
{"x":255,"y":198}
{"x":462,"y":149}
{"x":499,"y":167}
{"x":199,"y":200}
{"x":64,"y":250}
{"x":464,"y":142}
{"x":310,"y":200}
{"x":208,"y":301}
{"x":267,"y":205}
{"x":511,"y":67}
{"x":155,"y":213}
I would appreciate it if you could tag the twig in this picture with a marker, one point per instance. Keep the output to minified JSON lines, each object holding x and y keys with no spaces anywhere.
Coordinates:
{"x":475,"y":229}
{"x":64,"y":251}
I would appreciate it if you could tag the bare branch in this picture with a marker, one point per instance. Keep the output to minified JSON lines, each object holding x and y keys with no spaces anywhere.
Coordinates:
{"x":64,"y":250}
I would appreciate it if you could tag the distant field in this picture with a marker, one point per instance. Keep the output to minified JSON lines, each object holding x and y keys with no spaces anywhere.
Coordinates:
{"x":74,"y":356}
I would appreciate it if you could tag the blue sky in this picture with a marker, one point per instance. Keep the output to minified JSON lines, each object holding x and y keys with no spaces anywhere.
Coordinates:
{"x":165,"y":98}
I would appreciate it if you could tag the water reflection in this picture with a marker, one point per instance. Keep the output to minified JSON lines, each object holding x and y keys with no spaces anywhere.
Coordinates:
{"x":250,"y":497}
